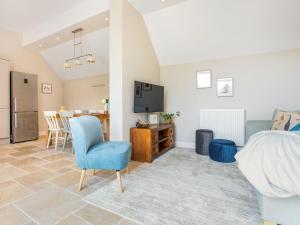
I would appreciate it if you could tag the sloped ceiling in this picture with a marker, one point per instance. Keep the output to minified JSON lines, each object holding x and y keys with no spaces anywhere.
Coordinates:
{"x":96,"y":43}
{"x":21,"y":15}
{"x":146,"y":6}
{"x":198,"y":30}
{"x":46,"y":25}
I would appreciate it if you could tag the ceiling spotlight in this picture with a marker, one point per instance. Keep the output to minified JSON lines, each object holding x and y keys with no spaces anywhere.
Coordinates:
{"x":162,"y":1}
{"x":40,"y":45}
{"x":57,"y":38}
{"x":106,"y":18}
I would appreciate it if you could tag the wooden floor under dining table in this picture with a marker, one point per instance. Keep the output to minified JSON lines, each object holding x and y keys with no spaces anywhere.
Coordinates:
{"x":103,"y":117}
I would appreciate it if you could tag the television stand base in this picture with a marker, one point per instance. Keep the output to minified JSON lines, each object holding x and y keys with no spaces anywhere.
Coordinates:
{"x":150,"y":143}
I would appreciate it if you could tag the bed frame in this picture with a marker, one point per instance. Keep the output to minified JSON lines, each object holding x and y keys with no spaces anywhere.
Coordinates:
{"x":274,"y":211}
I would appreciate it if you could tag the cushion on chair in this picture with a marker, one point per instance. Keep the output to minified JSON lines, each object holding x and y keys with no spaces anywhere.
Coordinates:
{"x":221,"y":150}
{"x":109,"y":155}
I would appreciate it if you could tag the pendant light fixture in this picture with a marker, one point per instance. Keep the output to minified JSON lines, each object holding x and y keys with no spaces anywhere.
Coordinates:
{"x":78,"y":60}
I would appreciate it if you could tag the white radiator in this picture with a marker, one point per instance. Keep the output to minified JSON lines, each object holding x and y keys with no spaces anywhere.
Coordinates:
{"x":225,"y":123}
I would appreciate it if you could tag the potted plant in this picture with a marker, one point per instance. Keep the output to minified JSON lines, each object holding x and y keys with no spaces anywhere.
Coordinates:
{"x":168,"y":117}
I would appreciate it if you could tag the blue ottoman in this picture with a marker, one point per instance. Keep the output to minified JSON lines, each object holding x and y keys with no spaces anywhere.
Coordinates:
{"x":221,"y":150}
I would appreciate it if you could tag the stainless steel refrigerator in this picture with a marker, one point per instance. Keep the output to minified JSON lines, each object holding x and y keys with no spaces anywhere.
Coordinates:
{"x":23,"y":107}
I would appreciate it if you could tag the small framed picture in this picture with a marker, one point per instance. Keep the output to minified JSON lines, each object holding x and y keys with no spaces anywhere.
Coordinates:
{"x":203,"y":79}
{"x":138,"y":90}
{"x":225,"y":87}
{"x":46,"y":88}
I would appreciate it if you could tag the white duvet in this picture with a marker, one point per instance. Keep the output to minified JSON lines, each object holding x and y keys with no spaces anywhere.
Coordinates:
{"x":271,"y":162}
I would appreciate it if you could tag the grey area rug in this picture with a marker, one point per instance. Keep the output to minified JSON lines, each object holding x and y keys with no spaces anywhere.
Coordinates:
{"x":182,"y":188}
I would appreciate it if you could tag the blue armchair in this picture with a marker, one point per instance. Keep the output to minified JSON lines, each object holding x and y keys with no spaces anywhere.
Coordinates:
{"x":92,"y":153}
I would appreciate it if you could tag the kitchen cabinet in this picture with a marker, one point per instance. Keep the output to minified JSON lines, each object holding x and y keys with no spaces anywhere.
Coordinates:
{"x":4,"y":123}
{"x":4,"y":98}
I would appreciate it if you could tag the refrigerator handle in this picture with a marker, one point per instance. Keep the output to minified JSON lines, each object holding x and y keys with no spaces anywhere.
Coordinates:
{"x":16,"y":121}
{"x":15,"y":104}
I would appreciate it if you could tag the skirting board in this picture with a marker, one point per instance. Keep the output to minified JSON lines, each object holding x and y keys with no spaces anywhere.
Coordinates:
{"x":181,"y":144}
{"x":191,"y":145}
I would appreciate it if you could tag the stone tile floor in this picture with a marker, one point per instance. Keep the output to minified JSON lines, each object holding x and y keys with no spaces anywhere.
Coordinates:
{"x":40,"y":186}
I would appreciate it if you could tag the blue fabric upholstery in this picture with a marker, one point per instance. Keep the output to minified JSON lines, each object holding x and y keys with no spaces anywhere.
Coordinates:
{"x":91,"y":152}
{"x":254,"y":126}
{"x":221,"y":150}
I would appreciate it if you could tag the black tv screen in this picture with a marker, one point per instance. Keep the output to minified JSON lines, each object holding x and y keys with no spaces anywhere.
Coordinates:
{"x":148,"y":97}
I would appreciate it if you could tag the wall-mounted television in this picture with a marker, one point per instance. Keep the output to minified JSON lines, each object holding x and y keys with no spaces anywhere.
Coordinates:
{"x":148,"y":98}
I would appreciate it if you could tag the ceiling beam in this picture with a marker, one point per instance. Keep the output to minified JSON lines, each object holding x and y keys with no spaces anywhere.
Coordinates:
{"x":73,"y":16}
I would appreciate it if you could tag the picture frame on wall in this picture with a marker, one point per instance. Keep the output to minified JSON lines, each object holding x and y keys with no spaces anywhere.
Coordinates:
{"x":225,"y":87}
{"x":46,"y":88}
{"x":203,"y":78}
{"x":138,"y":90}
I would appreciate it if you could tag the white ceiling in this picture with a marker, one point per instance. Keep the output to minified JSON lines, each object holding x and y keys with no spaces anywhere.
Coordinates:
{"x":182,"y":31}
{"x":96,"y":43}
{"x":46,"y":26}
{"x":89,"y":25}
{"x":198,"y":30}
{"x":74,"y":15}
{"x":148,"y":6}
{"x":22,"y":15}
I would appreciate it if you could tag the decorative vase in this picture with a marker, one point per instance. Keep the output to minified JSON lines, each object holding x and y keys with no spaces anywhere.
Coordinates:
{"x":168,"y":121}
{"x":106,"y":108}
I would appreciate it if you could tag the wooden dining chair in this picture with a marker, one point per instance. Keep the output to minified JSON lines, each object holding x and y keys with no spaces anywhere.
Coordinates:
{"x":64,"y":118}
{"x":53,"y":128}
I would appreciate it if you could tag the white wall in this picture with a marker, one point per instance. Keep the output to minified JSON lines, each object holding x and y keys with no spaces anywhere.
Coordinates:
{"x":261,"y":83}
{"x":132,"y":57}
{"x":24,"y":60}
{"x":116,"y":70}
{"x":139,"y":62}
{"x":82,"y":93}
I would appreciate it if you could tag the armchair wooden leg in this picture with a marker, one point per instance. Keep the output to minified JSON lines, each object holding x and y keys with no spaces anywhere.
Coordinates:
{"x":127,"y":170}
{"x":120,"y":180}
{"x":94,"y":172}
{"x":82,"y":179}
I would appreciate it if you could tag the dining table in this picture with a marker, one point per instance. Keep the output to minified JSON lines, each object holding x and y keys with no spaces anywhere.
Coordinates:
{"x":103,"y":117}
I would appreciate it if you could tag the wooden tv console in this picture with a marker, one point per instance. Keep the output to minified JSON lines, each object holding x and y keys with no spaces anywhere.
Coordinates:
{"x":150,"y":143}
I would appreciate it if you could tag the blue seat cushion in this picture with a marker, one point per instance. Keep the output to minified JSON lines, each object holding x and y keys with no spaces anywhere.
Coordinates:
{"x":221,"y":150}
{"x":109,"y":156}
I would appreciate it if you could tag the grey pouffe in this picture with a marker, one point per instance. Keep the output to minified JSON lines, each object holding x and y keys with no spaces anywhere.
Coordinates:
{"x":203,"y":139}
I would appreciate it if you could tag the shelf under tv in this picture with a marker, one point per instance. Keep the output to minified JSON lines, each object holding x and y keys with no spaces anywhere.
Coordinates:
{"x":150,"y":143}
